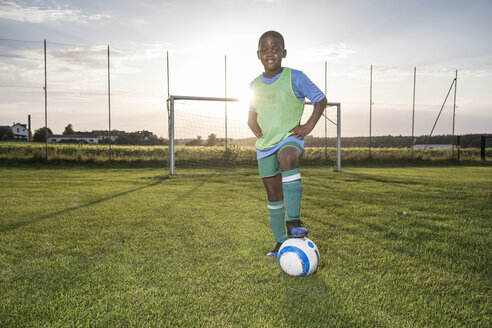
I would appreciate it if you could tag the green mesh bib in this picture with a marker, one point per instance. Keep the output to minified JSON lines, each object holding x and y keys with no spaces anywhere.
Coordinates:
{"x":279,"y":110}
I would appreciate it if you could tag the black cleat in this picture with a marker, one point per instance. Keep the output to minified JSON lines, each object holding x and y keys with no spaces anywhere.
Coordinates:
{"x":296,"y":230}
{"x":274,"y":251}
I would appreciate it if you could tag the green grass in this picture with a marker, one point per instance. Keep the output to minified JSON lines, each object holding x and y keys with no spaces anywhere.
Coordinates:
{"x":107,"y":247}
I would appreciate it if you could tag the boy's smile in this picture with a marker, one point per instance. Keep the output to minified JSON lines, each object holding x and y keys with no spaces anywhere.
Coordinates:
{"x":271,"y":53}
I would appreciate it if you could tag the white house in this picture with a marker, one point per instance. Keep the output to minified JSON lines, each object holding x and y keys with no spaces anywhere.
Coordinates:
{"x":78,"y":136}
{"x":103,"y":134}
{"x":20,"y":131}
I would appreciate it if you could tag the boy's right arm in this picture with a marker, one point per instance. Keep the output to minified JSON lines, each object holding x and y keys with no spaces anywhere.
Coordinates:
{"x":253,"y":124}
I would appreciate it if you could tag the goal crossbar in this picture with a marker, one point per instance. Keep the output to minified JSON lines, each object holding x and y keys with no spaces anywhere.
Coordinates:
{"x":170,"y":108}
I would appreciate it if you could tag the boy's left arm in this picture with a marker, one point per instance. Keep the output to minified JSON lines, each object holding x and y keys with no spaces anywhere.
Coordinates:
{"x":304,"y":129}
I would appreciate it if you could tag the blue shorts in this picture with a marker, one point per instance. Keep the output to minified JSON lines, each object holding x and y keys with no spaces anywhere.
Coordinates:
{"x":269,"y":165}
{"x":267,"y":152}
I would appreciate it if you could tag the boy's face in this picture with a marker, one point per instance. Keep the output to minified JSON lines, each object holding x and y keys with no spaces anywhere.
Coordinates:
{"x":271,"y":53}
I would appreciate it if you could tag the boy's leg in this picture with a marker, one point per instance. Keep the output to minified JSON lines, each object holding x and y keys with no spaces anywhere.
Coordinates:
{"x":272,"y":179}
{"x":292,"y":189}
{"x":276,"y":209}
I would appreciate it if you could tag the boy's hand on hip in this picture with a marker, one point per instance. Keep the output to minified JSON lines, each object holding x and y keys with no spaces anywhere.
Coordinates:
{"x":302,"y":130}
{"x":253,"y":125}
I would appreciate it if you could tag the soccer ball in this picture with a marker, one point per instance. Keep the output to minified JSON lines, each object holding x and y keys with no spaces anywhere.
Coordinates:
{"x":298,"y":257}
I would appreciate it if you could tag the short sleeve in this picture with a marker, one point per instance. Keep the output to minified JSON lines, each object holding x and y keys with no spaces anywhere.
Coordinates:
{"x":305,"y":88}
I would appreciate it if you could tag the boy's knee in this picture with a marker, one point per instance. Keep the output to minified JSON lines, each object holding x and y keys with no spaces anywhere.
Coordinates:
{"x":273,"y":187}
{"x":289,"y":158}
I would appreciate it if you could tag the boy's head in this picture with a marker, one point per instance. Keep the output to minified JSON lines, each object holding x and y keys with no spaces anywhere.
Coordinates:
{"x":271,"y":51}
{"x":272,"y":34}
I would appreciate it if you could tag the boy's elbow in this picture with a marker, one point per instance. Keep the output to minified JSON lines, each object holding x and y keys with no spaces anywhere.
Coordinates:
{"x":322,"y":103}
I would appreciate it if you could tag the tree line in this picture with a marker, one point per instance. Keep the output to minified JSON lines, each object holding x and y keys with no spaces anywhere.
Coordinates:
{"x":135,"y":138}
{"x":131,"y":138}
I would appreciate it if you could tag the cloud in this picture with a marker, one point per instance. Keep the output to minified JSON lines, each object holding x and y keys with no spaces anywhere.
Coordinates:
{"x":72,"y":67}
{"x":332,"y":53}
{"x":395,"y":73}
{"x":12,"y":11}
{"x":77,"y":58}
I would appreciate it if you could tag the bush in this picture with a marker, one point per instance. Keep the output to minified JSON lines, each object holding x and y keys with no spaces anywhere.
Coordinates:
{"x":6,"y":133}
{"x":40,"y":134}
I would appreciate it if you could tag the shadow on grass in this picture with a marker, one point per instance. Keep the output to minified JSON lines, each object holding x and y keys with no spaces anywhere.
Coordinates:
{"x":16,"y":225}
{"x":312,"y":302}
{"x":396,"y":181}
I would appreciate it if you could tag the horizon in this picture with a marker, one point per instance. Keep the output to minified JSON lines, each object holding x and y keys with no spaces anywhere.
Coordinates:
{"x":253,"y":137}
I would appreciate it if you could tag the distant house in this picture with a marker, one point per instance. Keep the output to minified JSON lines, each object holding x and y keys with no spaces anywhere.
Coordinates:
{"x":438,"y":146}
{"x":20,"y":131}
{"x":93,"y":137}
{"x":102,"y":134}
{"x":87,"y":137}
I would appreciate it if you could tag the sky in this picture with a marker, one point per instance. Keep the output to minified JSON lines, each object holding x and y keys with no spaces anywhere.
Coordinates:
{"x":212,"y":46}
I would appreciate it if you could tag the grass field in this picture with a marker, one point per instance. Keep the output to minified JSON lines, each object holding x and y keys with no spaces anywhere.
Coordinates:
{"x":121,"y":247}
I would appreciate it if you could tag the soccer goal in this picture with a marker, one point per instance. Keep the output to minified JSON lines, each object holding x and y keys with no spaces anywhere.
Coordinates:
{"x":202,"y":135}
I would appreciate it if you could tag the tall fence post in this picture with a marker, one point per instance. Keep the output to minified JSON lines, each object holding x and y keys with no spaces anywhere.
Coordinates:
{"x":45,"y":104}
{"x":339,"y":137}
{"x":109,"y":106}
{"x":413,"y":107}
{"x":225,"y":96}
{"x":370,"y":114}
{"x":326,"y":119}
{"x":454,"y":106}
{"x":167,"y":73}
{"x":171,"y":135}
{"x":168,"y":107}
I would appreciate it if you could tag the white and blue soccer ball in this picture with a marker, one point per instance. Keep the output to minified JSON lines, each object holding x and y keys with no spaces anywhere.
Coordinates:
{"x":298,"y":257}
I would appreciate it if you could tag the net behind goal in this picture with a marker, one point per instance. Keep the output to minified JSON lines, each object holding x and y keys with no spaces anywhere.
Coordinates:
{"x":213,"y":132}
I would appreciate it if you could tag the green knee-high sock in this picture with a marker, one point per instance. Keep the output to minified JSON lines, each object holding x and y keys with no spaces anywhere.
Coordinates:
{"x":292,"y":186}
{"x":277,"y":220}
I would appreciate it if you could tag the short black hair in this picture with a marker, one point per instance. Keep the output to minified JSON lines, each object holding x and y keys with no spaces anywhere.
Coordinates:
{"x":273,"y":34}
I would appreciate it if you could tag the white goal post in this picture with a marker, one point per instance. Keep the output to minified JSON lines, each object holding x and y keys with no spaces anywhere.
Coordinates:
{"x":173,"y":98}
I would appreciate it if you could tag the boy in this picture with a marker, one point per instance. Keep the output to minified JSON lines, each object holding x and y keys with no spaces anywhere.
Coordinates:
{"x":274,"y":117}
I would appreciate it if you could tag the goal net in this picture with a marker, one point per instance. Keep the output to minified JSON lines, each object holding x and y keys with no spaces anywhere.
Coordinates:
{"x":213,"y":132}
